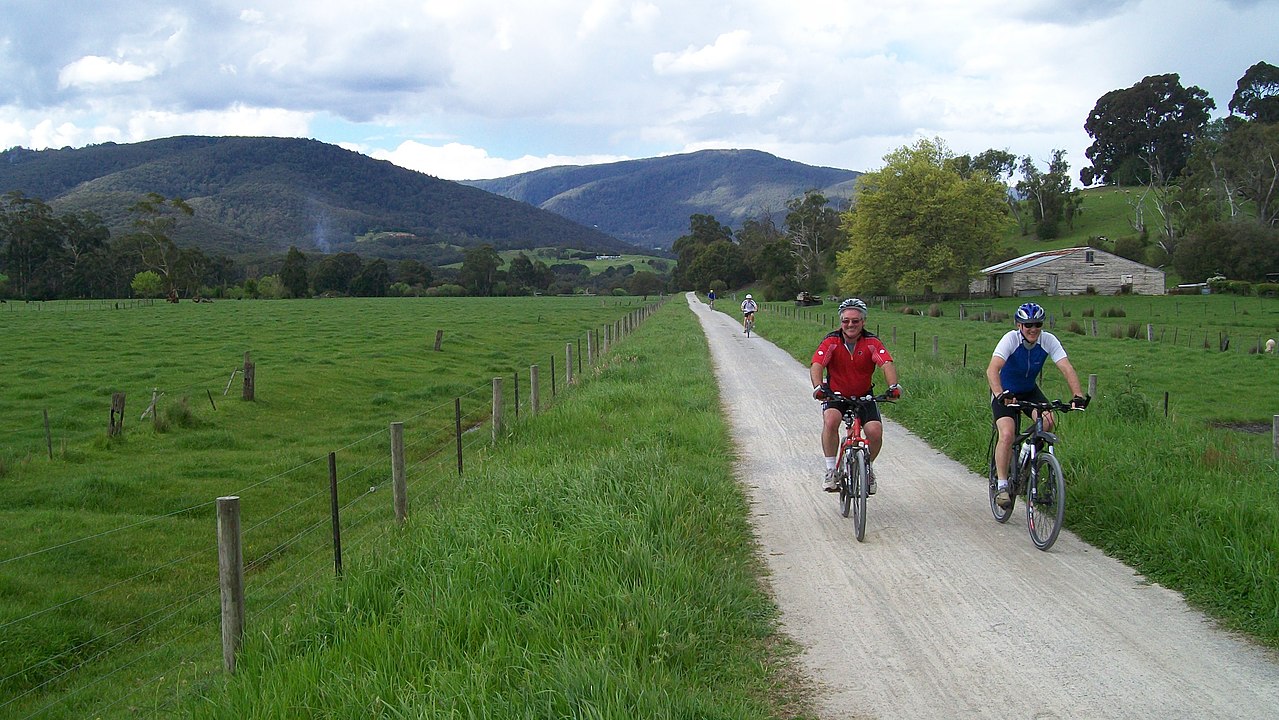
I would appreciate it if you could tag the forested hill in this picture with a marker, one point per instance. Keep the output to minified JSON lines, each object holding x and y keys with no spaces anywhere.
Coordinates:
{"x":257,"y":196}
{"x":648,"y":202}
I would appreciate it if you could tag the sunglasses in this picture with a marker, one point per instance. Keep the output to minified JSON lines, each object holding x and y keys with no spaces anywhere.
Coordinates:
{"x":1032,"y":325}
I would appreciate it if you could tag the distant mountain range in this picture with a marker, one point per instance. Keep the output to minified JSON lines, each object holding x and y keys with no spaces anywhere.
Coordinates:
{"x":648,"y":202}
{"x":254,"y":197}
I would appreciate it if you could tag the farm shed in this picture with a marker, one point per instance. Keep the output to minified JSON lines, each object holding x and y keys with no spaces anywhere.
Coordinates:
{"x":1071,"y":271}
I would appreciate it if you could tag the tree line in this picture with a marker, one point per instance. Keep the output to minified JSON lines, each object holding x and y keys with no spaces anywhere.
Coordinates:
{"x":930,"y":219}
{"x":74,"y":255}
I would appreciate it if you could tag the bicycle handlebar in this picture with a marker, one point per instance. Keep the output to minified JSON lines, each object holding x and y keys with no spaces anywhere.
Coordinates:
{"x":1050,"y":405}
{"x":831,"y":395}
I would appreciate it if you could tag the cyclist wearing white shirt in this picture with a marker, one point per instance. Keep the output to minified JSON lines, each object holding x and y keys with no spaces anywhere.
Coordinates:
{"x":1013,"y":375}
{"x":748,"y":310}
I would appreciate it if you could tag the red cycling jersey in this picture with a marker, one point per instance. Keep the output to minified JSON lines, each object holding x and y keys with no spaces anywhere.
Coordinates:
{"x":849,"y":370}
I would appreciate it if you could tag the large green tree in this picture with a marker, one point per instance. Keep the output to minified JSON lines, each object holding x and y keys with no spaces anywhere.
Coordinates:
{"x":1048,"y":195}
{"x":293,"y":274}
{"x":1256,"y":95}
{"x":812,"y":227}
{"x":1144,"y":134}
{"x":154,"y":219}
{"x":335,"y":273}
{"x":704,"y":232}
{"x":919,"y":225}
{"x":29,"y":232}
{"x":479,"y":269}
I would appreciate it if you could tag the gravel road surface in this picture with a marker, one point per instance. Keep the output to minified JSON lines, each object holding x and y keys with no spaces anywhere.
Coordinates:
{"x":942,"y":612}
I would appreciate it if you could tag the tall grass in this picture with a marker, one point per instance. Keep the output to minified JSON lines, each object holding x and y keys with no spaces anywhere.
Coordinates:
{"x":1188,"y":505}
{"x":598,"y":564}
{"x":108,"y":595}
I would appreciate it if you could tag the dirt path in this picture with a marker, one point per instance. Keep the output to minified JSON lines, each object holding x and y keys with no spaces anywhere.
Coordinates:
{"x":942,"y":612}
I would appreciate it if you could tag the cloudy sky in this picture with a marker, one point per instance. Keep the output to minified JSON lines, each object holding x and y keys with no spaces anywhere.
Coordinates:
{"x":469,"y":89}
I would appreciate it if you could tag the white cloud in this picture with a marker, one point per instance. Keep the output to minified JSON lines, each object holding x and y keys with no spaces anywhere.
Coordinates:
{"x":94,"y":70}
{"x":514,"y":85}
{"x":724,"y":54}
{"x":455,"y":161}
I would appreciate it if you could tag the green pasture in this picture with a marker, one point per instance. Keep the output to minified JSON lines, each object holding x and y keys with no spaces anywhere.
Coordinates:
{"x":1188,"y":497}
{"x":600,"y":564}
{"x":109,"y":556}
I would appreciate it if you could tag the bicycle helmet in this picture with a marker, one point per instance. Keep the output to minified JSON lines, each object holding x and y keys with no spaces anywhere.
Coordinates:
{"x":855,"y":304}
{"x":748,"y":296}
{"x":1030,"y":312}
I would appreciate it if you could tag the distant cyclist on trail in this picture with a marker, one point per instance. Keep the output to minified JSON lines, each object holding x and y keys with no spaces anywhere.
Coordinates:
{"x":1013,"y":375}
{"x":845,"y":363}
{"x":711,"y":297}
{"x":748,"y":310}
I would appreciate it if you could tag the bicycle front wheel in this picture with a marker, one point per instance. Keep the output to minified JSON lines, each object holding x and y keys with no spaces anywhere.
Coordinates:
{"x":1045,"y":501}
{"x":860,"y":484}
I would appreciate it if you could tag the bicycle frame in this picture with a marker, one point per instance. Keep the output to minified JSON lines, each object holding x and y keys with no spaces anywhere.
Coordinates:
{"x":854,"y":473}
{"x":1039,"y":438}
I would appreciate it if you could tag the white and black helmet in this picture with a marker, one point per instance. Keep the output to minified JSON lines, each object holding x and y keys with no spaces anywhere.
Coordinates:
{"x":855,"y":304}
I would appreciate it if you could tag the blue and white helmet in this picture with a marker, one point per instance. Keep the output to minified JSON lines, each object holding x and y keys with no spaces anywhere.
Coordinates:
{"x":1030,"y":312}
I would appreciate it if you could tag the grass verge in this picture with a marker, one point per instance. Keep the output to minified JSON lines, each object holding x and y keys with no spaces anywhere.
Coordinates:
{"x":598,"y":564}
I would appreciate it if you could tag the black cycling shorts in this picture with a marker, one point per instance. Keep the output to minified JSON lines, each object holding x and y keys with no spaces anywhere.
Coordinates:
{"x":866,"y":411}
{"x":1000,"y":410}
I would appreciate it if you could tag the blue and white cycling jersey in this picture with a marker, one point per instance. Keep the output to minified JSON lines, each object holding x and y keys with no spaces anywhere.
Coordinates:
{"x":1022,"y":363}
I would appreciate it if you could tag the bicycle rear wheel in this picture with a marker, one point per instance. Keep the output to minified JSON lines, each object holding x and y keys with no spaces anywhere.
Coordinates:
{"x":750,"y":325}
{"x":860,"y":485}
{"x":1001,"y":514}
{"x":1045,"y":501}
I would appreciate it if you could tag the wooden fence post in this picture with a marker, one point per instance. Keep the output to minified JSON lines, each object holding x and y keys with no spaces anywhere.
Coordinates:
{"x":249,"y":377}
{"x":497,"y":408}
{"x":48,"y":436}
{"x":399,"y":487}
{"x":230,"y":579}
{"x":1092,"y":386}
{"x":439,"y":339}
{"x":590,"y":347}
{"x":333,"y":511}
{"x":516,"y":404}
{"x":457,"y":424}
{"x":568,"y":364}
{"x":934,"y":346}
{"x":552,"y":375}
{"x":1274,"y":432}
{"x":534,"y":389}
{"x":116,"y":425}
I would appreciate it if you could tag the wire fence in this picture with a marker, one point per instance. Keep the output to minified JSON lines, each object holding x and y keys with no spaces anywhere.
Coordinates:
{"x":89,"y":653}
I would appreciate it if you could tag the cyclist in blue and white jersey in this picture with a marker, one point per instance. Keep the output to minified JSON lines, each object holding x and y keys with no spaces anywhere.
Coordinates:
{"x":1013,"y":375}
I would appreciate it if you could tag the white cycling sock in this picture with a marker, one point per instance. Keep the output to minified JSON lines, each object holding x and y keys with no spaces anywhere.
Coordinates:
{"x":830,"y":463}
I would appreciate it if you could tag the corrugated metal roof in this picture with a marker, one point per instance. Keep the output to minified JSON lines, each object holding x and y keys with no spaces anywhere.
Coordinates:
{"x":1029,"y":261}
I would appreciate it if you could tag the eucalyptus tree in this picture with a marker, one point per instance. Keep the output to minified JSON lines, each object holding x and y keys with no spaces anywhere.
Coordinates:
{"x":1144,"y":135}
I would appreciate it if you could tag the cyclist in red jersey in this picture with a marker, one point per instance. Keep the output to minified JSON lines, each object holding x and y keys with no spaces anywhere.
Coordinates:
{"x":845,"y":362}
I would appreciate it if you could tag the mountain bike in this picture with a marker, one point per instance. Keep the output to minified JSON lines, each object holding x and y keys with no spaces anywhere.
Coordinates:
{"x":750,"y":323}
{"x":853,"y":469}
{"x":1035,"y":474}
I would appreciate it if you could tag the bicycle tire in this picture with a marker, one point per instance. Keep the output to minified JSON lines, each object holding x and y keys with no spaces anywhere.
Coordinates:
{"x":1045,"y":501}
{"x":750,"y":325}
{"x":992,"y":487}
{"x":845,"y":467}
{"x":861,"y":490}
